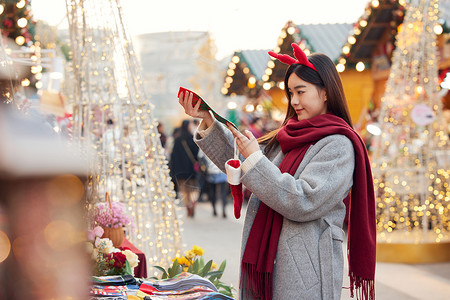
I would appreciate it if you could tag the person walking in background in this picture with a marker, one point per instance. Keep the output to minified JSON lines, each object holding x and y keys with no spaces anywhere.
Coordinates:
{"x":162,"y":134}
{"x":256,"y":127}
{"x":300,"y":176}
{"x":182,"y":160}
{"x":216,"y":182}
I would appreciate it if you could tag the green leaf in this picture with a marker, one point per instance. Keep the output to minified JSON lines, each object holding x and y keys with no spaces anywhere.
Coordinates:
{"x":206,"y":268}
{"x":213,"y":275}
{"x":175,"y":270}
{"x":162,"y":270}
{"x":222,"y":268}
{"x":128,"y":269}
{"x":195,"y":267}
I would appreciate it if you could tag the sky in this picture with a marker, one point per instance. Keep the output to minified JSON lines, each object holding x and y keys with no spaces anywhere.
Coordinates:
{"x":233,"y":24}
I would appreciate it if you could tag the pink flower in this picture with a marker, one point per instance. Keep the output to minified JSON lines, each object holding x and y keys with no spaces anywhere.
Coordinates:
{"x":96,"y":232}
{"x":114,"y":216}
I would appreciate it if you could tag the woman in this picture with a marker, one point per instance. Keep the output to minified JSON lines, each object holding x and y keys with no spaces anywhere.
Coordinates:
{"x":181,"y":165}
{"x":299,"y":176}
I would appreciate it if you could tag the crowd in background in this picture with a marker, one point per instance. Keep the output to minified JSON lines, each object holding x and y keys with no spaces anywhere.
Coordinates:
{"x":195,"y":177}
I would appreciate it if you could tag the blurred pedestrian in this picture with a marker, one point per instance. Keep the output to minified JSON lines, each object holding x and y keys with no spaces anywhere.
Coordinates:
{"x":182,"y":161}
{"x":216,"y":184}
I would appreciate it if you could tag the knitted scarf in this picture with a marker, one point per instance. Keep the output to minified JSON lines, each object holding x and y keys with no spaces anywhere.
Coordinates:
{"x":258,"y":261}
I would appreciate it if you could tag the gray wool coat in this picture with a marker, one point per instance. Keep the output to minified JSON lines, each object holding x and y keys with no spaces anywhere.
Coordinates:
{"x":309,"y":262}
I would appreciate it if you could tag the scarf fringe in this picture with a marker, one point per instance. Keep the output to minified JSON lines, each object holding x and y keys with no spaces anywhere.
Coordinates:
{"x":255,"y":284}
{"x":364,"y":288}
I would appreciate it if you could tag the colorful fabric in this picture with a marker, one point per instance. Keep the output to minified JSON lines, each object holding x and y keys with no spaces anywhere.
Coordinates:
{"x":109,"y":290}
{"x":295,"y":139}
{"x":114,"y":280}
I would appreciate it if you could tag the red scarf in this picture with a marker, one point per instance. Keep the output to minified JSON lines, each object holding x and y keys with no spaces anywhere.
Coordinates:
{"x":295,"y":139}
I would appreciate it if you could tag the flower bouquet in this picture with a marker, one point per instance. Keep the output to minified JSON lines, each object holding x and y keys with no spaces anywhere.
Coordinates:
{"x":193,"y":262}
{"x":109,"y":260}
{"x":112,"y":218}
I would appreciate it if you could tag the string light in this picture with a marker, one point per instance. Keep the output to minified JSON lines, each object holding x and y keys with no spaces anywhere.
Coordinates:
{"x":113,"y":117}
{"x":411,"y":155}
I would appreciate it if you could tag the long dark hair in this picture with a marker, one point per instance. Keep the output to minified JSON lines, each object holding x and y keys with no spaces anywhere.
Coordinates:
{"x":326,"y":78}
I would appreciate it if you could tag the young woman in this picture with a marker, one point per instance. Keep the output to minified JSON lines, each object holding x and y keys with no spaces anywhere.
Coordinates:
{"x":299,"y":176}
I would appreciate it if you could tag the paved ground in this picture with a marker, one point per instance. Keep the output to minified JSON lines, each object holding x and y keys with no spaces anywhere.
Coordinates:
{"x":221,"y":238}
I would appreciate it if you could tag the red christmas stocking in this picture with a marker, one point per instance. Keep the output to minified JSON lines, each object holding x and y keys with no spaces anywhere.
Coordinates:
{"x":233,"y":168}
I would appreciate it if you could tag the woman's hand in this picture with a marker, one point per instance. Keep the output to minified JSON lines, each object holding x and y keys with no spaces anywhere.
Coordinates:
{"x":247,"y":144}
{"x":185,"y":100}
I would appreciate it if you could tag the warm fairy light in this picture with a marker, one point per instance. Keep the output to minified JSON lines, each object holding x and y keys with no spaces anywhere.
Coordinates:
{"x":438,"y":29}
{"x":5,"y":246}
{"x":268,"y":71}
{"x":21,"y":4}
{"x":363,"y":23}
{"x":224,"y":91}
{"x":235,"y":59}
{"x":281,"y":85}
{"x":419,"y":89}
{"x":2,"y":9}
{"x":271,"y":64}
{"x":357,"y":31}
{"x":375,"y":3}
{"x":246,"y":70}
{"x":39,"y":85}
{"x":342,"y":61}
{"x":20,"y":40}
{"x":36,"y":69}
{"x":340,"y":68}
{"x":267,"y":86}
{"x":259,"y":108}
{"x":230,"y":72}
{"x":291,"y":30}
{"x":251,"y":82}
{"x":232,"y":66}
{"x":351,"y":40}
{"x":265,"y":77}
{"x":22,"y":22}
{"x":360,"y":66}
{"x":229,"y":79}
{"x":346,"y":49}
{"x":249,"y":108}
{"x":25,"y":82}
{"x":283,"y":34}
{"x":231,"y":105}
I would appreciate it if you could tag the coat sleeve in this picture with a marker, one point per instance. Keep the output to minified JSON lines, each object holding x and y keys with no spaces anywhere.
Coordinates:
{"x":322,"y":181}
{"x":217,"y":145}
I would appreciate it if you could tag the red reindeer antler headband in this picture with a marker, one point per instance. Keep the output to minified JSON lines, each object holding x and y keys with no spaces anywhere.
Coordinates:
{"x":299,"y":55}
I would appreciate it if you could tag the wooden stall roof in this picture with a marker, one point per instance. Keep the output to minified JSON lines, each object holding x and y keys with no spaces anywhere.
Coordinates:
{"x":324,"y":38}
{"x":251,"y":63}
{"x":370,"y":28}
{"x":377,"y":22}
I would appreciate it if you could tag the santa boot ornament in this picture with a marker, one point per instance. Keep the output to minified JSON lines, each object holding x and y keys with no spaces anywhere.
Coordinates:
{"x":233,"y":169}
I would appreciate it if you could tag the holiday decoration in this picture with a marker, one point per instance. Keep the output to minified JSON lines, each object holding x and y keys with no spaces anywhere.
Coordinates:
{"x":233,"y":169}
{"x":113,"y":116}
{"x":411,"y":163}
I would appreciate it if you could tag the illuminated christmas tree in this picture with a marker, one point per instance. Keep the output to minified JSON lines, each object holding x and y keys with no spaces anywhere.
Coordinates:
{"x":113,"y":116}
{"x":411,"y":163}
{"x":16,"y":21}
